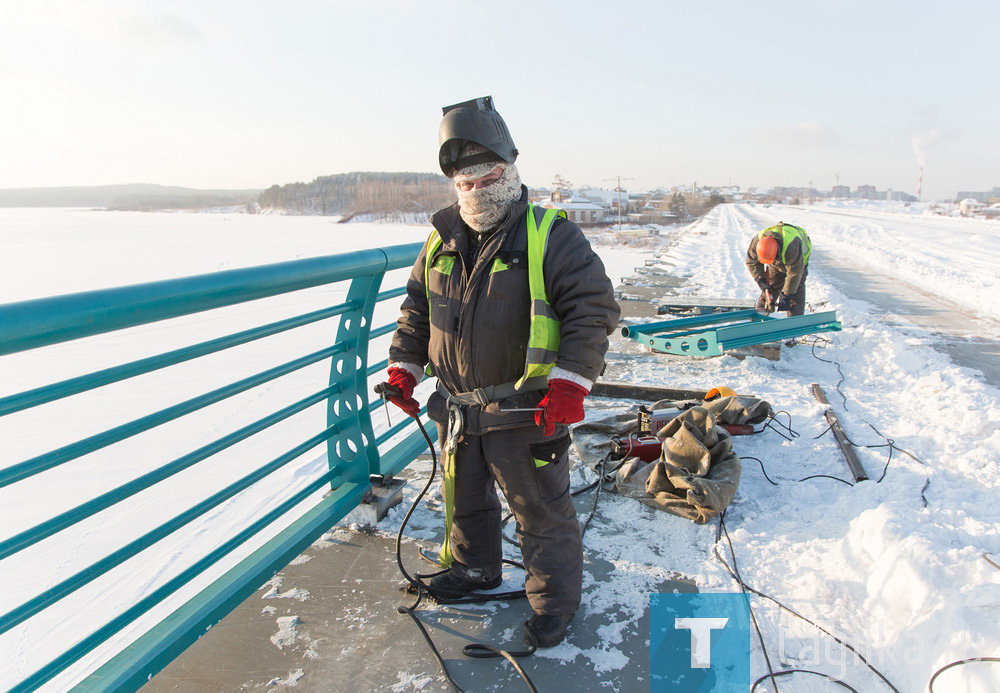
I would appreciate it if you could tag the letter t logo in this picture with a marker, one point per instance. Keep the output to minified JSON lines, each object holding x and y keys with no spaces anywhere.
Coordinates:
{"x":701,"y":638}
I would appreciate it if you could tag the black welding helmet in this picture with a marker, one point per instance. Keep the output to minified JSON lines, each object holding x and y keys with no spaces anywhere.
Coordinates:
{"x":473,"y":121}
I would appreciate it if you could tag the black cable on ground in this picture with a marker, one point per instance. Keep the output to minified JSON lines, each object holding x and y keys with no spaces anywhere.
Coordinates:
{"x":753,"y":617}
{"x":890,"y":443}
{"x":791,"y":435}
{"x":824,"y":342}
{"x":475,"y":650}
{"x":788,"y":672}
{"x":773,"y":483}
{"x":826,"y":476}
{"x":747,"y":588}
{"x":961,"y":662}
{"x":602,"y":475}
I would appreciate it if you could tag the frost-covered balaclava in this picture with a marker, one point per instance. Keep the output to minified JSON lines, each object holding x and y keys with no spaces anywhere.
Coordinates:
{"x":483,"y":209}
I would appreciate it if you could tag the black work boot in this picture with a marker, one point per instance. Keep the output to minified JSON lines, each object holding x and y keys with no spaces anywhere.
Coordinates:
{"x":543,"y":630}
{"x":451,"y":585}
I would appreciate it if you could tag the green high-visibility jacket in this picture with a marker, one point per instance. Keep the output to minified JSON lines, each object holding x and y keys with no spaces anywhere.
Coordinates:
{"x":788,"y":234}
{"x":790,"y":267}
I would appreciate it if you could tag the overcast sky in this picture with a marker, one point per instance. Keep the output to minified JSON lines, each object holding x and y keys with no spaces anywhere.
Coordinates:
{"x":227,"y":94}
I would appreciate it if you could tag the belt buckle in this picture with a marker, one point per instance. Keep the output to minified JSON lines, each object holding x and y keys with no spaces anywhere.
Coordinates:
{"x":481,"y":397}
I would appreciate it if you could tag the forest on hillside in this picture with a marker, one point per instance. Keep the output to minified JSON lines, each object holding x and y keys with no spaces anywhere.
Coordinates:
{"x":379,"y":195}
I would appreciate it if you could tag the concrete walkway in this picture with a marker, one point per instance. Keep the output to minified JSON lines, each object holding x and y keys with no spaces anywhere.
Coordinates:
{"x":343,"y":633}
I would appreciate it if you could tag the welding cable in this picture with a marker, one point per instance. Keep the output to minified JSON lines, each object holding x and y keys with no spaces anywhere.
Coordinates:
{"x":788,"y":672}
{"x":843,"y":377}
{"x":753,"y":617}
{"x":961,"y":662}
{"x":747,"y":588}
{"x":602,"y":476}
{"x":890,"y":443}
{"x":474,"y":650}
{"x":792,"y":434}
{"x":773,"y":483}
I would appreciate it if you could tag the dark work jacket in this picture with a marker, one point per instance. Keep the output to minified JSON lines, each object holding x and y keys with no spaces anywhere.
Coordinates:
{"x":784,"y":276}
{"x":478,"y":334}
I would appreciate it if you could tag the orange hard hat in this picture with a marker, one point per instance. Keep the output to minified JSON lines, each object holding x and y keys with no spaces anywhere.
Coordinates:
{"x":767,"y":249}
{"x":717,"y":392}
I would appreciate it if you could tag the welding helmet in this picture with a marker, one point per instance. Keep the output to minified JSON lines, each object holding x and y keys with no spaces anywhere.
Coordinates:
{"x":473,"y":121}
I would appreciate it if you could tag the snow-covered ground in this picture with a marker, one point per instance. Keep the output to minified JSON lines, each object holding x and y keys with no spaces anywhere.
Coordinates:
{"x":896,"y":567}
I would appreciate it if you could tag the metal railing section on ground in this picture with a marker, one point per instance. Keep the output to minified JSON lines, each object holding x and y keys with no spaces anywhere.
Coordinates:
{"x":352,"y":448}
{"x":717,"y":332}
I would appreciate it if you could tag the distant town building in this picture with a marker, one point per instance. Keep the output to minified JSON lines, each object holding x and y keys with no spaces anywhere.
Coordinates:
{"x":985,"y":197}
{"x":970,"y":206}
{"x":865,"y":192}
{"x":578,"y":209}
{"x":794,"y":192}
{"x":841,"y":191}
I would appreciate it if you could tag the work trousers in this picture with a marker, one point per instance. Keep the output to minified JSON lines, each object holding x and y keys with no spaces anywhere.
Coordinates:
{"x":533,"y":474}
{"x":777,"y":281}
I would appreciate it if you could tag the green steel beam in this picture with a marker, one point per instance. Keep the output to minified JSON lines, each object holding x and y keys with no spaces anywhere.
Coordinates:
{"x":713,"y":334}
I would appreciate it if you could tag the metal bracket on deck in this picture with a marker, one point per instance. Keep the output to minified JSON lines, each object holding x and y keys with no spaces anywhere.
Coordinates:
{"x":715,"y":333}
{"x":385,"y":493}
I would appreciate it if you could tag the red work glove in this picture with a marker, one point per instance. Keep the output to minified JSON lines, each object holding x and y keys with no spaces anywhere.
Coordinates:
{"x":562,"y":404}
{"x":399,"y":391}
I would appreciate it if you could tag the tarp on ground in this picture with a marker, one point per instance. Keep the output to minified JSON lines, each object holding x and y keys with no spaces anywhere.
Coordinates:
{"x":697,"y":473}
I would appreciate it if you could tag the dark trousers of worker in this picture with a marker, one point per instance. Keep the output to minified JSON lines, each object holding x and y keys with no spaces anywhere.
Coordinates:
{"x":537,"y":494}
{"x":797,"y":306}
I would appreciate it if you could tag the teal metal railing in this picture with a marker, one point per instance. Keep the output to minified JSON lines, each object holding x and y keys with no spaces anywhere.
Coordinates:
{"x":351,"y":446}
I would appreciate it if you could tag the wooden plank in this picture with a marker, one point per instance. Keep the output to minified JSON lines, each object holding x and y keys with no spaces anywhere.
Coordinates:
{"x":853,"y":463}
{"x":649,"y":393}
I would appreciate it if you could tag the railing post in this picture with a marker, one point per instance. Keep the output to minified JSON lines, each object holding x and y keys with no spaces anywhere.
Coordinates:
{"x":349,"y":406}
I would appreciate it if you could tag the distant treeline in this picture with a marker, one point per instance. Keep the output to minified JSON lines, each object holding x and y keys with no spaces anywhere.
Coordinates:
{"x":374,"y":195}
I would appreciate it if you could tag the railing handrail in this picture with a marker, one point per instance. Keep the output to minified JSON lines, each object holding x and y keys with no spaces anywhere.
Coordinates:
{"x":351,"y":445}
{"x":42,"y":322}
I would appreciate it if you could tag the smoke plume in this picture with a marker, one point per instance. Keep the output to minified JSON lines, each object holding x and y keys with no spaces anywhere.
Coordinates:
{"x":921,"y":142}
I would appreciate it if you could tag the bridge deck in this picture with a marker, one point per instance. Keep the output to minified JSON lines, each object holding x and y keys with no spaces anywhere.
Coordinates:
{"x":343,"y":633}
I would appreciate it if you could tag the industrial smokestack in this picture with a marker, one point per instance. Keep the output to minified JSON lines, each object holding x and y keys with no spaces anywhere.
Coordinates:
{"x":920,"y":184}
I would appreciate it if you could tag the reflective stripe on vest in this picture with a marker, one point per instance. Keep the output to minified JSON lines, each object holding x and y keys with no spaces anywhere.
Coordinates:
{"x":788,"y":234}
{"x":543,"y":336}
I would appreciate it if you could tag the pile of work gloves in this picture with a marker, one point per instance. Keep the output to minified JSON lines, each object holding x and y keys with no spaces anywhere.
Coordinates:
{"x":697,"y":473}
